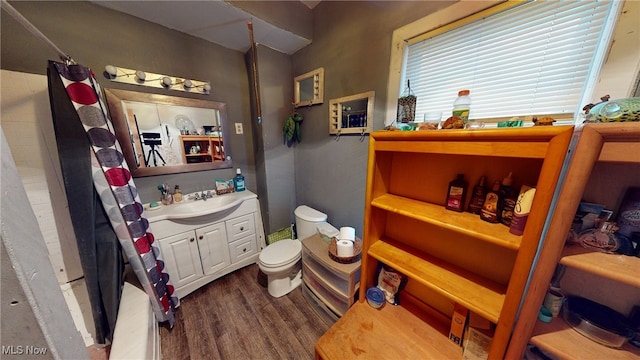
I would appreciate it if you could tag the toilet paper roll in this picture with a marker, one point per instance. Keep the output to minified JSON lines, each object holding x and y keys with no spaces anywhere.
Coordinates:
{"x":344,"y":248}
{"x":347,"y":233}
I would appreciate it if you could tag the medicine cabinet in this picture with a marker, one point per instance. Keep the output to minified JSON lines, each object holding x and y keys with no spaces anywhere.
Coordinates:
{"x":309,"y":88}
{"x":351,"y":114}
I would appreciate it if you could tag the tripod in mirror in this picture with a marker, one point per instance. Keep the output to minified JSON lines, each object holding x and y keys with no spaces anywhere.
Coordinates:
{"x":152,"y":140}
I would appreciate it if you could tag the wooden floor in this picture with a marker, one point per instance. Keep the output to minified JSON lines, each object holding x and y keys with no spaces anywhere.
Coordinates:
{"x":236,"y":318}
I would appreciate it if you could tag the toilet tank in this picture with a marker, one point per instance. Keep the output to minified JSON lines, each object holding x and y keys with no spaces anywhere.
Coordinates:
{"x":306,"y":220}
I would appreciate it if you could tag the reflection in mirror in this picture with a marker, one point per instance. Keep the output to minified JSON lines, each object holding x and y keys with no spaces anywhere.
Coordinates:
{"x":162,"y":134}
{"x":309,"y":88}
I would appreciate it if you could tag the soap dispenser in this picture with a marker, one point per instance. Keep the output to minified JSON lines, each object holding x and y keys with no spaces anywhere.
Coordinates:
{"x":177,"y":194}
{"x":238,"y":181}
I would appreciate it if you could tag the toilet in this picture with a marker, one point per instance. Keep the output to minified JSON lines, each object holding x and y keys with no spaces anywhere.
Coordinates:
{"x":281,"y":261}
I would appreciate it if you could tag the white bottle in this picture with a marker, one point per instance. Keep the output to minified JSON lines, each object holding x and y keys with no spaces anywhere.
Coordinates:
{"x":462,"y":106}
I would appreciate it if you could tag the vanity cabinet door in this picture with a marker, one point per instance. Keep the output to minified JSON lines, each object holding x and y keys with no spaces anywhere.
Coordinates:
{"x":214,"y":251}
{"x":181,"y":258}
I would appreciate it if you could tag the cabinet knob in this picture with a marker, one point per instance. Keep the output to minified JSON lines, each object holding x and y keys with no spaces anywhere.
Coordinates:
{"x":191,"y":240}
{"x":241,"y":228}
{"x":244,"y":250}
{"x":201,"y":237}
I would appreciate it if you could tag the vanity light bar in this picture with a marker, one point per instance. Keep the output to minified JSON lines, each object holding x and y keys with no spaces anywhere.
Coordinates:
{"x":139,"y":77}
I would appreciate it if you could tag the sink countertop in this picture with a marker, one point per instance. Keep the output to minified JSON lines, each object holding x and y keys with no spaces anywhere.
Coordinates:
{"x":194,"y":208}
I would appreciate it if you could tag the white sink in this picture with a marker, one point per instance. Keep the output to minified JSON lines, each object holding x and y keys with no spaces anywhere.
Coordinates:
{"x":193,"y":208}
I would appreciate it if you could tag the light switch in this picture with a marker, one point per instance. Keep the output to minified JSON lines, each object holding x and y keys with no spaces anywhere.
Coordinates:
{"x":239,"y":128}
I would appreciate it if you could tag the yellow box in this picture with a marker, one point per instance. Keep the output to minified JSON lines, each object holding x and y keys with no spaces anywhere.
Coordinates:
{"x":458,"y":322}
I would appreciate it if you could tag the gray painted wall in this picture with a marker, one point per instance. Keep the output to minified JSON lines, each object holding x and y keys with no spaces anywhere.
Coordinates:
{"x":95,"y":36}
{"x":274,"y":160}
{"x":352,"y":41}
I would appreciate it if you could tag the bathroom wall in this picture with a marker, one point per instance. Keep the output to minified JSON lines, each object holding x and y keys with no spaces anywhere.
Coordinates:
{"x":95,"y":36}
{"x":352,"y":41}
{"x":274,"y":160}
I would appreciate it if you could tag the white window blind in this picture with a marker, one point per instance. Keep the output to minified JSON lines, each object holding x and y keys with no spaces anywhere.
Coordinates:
{"x":533,"y":59}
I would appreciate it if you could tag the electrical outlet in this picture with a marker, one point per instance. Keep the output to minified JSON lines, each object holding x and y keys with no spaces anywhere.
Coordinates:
{"x":239,"y":128}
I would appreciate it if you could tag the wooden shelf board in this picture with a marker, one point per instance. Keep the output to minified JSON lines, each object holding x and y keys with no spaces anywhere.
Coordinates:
{"x":621,"y":268}
{"x":391,"y":332}
{"x":536,"y":150}
{"x":627,"y":152}
{"x":464,"y":223}
{"x":476,"y":293}
{"x":559,"y":339}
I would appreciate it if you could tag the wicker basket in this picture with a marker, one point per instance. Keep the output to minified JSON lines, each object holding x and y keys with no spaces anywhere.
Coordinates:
{"x":357,"y":251}
{"x":284,"y":233}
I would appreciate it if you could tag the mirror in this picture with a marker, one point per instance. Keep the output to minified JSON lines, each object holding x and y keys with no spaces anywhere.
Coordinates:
{"x":309,"y":88}
{"x":162,"y":134}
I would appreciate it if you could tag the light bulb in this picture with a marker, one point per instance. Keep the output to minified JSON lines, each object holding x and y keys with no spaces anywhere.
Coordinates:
{"x":166,"y":81}
{"x":111,"y":70}
{"x":141,"y":75}
{"x":206,"y":87}
{"x":188,"y":84}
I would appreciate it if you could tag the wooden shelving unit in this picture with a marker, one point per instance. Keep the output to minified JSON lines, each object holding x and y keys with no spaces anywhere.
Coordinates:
{"x":606,"y":161}
{"x":211,"y":148}
{"x":558,"y":338}
{"x":448,"y":257}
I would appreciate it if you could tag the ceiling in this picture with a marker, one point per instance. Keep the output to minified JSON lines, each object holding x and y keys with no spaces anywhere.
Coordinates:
{"x":215,"y":21}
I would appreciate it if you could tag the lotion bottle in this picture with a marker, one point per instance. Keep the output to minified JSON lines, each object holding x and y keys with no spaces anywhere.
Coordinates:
{"x":508,"y":200}
{"x":177,"y":194}
{"x":491,"y":208}
{"x":456,"y":194}
{"x":521,"y":210}
{"x":477,"y":197}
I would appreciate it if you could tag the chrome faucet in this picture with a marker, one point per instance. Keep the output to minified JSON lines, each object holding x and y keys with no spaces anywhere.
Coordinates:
{"x":203,"y":195}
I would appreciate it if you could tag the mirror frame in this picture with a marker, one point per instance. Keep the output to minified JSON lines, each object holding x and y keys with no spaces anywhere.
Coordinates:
{"x":114,"y":99}
{"x":317,"y":78}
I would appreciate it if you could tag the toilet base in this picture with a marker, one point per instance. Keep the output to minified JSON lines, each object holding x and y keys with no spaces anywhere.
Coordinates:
{"x":279,"y":287}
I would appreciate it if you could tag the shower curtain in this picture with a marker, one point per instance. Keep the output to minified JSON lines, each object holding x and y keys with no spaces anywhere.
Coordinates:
{"x":101,"y":192}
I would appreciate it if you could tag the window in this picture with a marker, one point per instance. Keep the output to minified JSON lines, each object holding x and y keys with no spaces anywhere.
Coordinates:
{"x":537,"y":58}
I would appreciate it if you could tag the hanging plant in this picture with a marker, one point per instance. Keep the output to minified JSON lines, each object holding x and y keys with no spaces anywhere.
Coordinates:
{"x":291,"y":129}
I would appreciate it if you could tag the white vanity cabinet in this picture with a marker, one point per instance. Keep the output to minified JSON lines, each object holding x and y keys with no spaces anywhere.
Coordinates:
{"x":197,"y":250}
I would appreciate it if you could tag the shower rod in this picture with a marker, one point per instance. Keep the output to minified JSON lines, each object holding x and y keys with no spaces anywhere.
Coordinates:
{"x":29,"y":26}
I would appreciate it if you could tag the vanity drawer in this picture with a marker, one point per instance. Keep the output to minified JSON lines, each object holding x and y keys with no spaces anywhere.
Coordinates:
{"x":240,"y":227}
{"x":243,"y":248}
{"x":338,"y":303}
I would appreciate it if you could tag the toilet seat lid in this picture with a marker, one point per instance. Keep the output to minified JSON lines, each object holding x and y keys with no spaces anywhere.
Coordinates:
{"x":280,"y":252}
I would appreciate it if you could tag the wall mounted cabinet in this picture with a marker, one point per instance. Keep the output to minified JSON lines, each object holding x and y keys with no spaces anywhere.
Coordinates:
{"x":606,"y":162}
{"x":448,"y":257}
{"x":351,"y":114}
